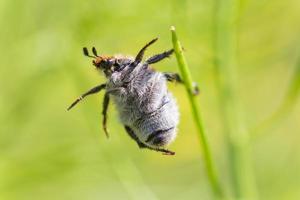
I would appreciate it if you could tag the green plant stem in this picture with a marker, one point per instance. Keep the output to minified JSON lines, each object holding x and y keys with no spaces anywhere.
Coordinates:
{"x":187,"y":78}
{"x":284,"y":109}
{"x":236,"y":133}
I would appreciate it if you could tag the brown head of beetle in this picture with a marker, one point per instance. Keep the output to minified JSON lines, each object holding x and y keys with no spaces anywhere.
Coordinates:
{"x":107,"y":64}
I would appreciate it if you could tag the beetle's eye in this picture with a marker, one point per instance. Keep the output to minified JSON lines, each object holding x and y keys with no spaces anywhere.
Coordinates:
{"x":117,"y":65}
{"x":108,"y":63}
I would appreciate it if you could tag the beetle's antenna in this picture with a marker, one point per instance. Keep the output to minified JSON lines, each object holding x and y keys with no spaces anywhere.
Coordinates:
{"x":86,"y":53}
{"x":94,"y":51}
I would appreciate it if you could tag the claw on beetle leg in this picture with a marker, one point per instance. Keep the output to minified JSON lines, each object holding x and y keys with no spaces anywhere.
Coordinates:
{"x":196,"y":90}
{"x":169,"y":153}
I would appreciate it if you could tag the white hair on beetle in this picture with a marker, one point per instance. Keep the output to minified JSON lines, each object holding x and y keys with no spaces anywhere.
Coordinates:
{"x":146,"y":108}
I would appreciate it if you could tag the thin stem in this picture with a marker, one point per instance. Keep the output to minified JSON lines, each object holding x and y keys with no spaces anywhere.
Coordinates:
{"x":187,"y":78}
{"x":236,"y":133}
{"x":284,"y":109}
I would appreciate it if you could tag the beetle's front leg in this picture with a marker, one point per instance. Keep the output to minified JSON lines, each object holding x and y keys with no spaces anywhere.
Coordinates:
{"x":94,"y":90}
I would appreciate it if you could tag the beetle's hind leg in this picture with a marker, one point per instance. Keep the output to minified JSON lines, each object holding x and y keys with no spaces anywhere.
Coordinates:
{"x":164,"y":151}
{"x":134,"y":137}
{"x":142,"y":145}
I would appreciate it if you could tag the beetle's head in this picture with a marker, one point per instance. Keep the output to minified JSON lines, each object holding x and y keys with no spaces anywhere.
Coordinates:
{"x":107,"y":64}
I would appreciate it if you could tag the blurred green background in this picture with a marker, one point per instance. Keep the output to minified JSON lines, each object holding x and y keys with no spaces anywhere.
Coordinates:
{"x":49,"y":153}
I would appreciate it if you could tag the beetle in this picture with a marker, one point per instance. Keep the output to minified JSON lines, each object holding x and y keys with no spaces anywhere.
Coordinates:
{"x":146,"y":108}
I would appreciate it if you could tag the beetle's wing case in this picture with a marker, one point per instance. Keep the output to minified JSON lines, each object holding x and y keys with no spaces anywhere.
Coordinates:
{"x":145,"y":104}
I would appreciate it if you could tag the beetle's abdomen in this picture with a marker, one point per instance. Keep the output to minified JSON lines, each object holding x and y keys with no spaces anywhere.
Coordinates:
{"x":159,"y":127}
{"x":149,"y":109}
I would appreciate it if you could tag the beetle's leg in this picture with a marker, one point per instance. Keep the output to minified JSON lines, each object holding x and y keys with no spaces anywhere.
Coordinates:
{"x":173,"y":77}
{"x":91,"y":91}
{"x":140,"y":55}
{"x":142,"y":145}
{"x":134,"y":137}
{"x":158,"y":57}
{"x":196,"y":90}
{"x":164,"y":151}
{"x":104,"y":113}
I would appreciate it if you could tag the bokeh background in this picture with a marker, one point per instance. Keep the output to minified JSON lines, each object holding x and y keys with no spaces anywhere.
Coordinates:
{"x":49,"y":153}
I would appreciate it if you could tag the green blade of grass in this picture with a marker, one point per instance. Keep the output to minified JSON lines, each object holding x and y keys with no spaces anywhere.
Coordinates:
{"x":284,"y":109}
{"x":236,"y":133}
{"x":187,"y":78}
